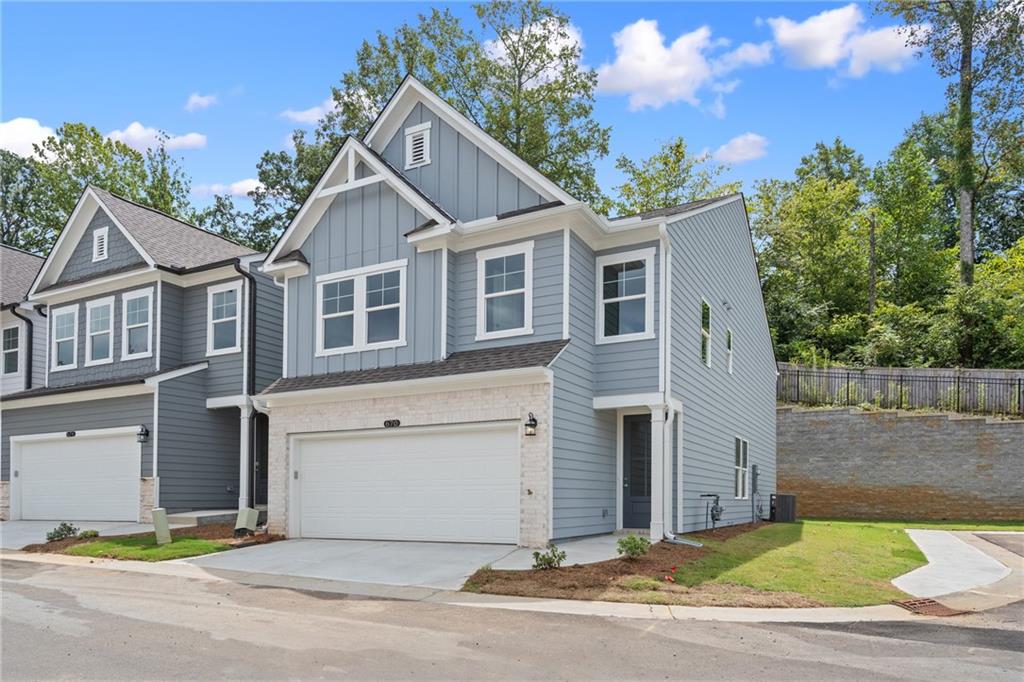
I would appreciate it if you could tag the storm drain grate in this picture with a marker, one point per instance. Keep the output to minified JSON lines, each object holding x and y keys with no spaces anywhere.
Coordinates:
{"x":927,"y":607}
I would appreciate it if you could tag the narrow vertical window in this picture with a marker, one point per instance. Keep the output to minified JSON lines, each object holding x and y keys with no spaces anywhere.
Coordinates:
{"x":505,"y":291}
{"x":728,"y":350}
{"x":64,"y":350}
{"x":99,"y":322}
{"x":223,"y":330}
{"x":338,"y":314}
{"x":11,"y":350}
{"x":383,"y":306}
{"x":417,"y":146}
{"x":99,"y":244}
{"x":137,"y":324}
{"x":740,"y":469}
{"x":705,"y":333}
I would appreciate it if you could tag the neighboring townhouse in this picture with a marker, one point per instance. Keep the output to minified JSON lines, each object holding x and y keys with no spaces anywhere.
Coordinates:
{"x":471,"y":354}
{"x":24,"y":329}
{"x":154,"y":334}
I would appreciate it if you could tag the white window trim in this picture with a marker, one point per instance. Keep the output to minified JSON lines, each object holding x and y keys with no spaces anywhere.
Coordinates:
{"x":96,"y":234}
{"x":16,"y":349}
{"x":55,"y":313}
{"x":359,"y":275}
{"x":130,"y":296}
{"x":745,"y":460}
{"x":89,"y":307}
{"x":728,"y":349}
{"x":646,"y":255}
{"x":525,"y":248}
{"x":410,"y":132}
{"x":235,"y":286}
{"x":706,"y":360}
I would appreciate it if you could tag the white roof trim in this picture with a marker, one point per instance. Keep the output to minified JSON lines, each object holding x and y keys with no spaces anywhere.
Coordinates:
{"x":78,"y":396}
{"x":390,"y":120}
{"x":175,"y":373}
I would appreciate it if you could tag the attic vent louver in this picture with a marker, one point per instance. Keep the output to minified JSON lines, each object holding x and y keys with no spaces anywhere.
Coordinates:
{"x":417,"y":146}
{"x":99,"y":244}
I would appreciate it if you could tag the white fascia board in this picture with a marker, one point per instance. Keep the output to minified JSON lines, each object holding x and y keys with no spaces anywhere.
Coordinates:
{"x":175,"y":373}
{"x":59,"y":254}
{"x":78,"y":396}
{"x":126,"y":280}
{"x":224,"y":401}
{"x":623,"y":401}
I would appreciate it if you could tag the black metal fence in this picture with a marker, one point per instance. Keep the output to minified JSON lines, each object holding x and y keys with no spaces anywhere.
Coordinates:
{"x":968,"y":391}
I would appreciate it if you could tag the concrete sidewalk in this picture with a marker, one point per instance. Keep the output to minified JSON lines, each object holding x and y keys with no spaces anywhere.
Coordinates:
{"x":953,"y":566}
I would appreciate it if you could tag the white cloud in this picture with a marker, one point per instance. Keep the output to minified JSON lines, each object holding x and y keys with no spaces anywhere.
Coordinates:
{"x":883,"y":49}
{"x":19,"y":134}
{"x":240,"y":188}
{"x":742,"y":148}
{"x":311,"y":115}
{"x":196,"y":102}
{"x":573,"y":38}
{"x":654,"y":73}
{"x":142,"y":138}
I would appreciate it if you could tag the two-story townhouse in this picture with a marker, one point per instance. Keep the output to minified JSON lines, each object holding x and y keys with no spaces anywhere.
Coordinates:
{"x":471,"y":354}
{"x":155,"y":334}
{"x":24,"y":328}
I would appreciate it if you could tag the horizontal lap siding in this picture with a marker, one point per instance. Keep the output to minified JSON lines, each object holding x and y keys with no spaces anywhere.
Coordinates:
{"x":269,"y":331}
{"x":96,"y":414}
{"x":712,"y":258}
{"x":198,"y":450}
{"x":171,"y":325}
{"x":223,"y":377}
{"x":120,"y":252}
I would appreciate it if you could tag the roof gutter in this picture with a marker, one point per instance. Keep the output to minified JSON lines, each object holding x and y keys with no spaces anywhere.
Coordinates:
{"x":250,"y":361}
{"x":28,"y":345}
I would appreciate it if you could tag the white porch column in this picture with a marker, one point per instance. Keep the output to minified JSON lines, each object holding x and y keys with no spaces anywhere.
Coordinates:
{"x":666,"y":467}
{"x":658,"y":501}
{"x":245,"y":411}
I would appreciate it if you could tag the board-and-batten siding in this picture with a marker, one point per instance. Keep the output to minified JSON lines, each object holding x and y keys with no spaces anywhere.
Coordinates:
{"x":712,"y":259}
{"x":583,"y":439}
{"x":198,"y":449}
{"x":96,"y":414}
{"x":224,"y":375}
{"x":461,"y":177}
{"x":120,"y":252}
{"x":268,"y":330}
{"x":362,"y":227}
{"x":547,"y":294}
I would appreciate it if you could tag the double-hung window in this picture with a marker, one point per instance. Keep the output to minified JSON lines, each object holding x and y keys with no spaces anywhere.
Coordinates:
{"x":361,"y":309}
{"x":625,"y":296}
{"x":504,"y":291}
{"x":99,"y":335}
{"x":741,"y":469}
{"x":11,"y":350}
{"x":223,"y":328}
{"x":64,"y":348}
{"x":705,"y":332}
{"x":136,"y":324}
{"x":728,"y":350}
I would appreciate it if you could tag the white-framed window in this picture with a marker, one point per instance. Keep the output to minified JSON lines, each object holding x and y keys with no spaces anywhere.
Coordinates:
{"x":705,"y":332}
{"x":417,"y":145}
{"x":223,"y":321}
{"x":741,"y":470}
{"x":137,"y":324}
{"x":99,"y":244}
{"x":361,"y":309}
{"x":625,"y":296}
{"x":504,"y":291}
{"x":728,"y":350}
{"x":11,"y":350}
{"x":64,"y":349}
{"x":99,"y":331}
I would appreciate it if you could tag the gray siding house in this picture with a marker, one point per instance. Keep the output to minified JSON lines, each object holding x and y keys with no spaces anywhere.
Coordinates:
{"x":471,"y":354}
{"x":145,"y":356}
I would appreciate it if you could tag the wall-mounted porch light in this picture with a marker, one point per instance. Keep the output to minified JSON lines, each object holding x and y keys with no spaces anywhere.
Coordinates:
{"x":531,"y":425}
{"x":142,"y":435}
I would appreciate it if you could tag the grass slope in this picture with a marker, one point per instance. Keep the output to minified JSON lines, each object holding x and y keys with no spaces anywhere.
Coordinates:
{"x":146,"y":549}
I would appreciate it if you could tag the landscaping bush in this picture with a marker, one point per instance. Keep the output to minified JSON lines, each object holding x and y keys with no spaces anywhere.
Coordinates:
{"x":552,"y":558}
{"x":88,"y":534}
{"x":62,"y":532}
{"x":634,"y":546}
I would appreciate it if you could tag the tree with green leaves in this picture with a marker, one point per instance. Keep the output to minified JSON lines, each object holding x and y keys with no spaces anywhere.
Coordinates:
{"x":19,"y":220}
{"x":837,"y":162}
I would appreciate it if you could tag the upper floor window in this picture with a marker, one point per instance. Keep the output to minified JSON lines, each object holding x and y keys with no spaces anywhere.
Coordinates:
{"x":740,"y":470}
{"x":625,"y":299}
{"x":64,"y":348}
{"x":361,"y":309}
{"x":728,"y":350}
{"x":137,"y":324}
{"x":99,"y":244}
{"x":11,"y":349}
{"x":705,"y":332}
{"x":504,"y":291}
{"x":417,"y":145}
{"x":223,"y":328}
{"x":99,"y":322}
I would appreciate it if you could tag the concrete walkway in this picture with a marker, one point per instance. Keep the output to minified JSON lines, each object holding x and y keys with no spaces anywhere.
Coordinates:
{"x":953,"y":566}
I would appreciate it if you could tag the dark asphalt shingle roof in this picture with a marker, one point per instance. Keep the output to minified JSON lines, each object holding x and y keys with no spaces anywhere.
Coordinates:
{"x":675,"y":210}
{"x":18,"y":270}
{"x":539,"y":354}
{"x":170,"y":242}
{"x":89,"y":385}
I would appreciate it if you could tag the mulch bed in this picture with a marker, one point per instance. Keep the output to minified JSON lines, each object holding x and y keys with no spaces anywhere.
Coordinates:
{"x":224,"y":532}
{"x":610,"y":580}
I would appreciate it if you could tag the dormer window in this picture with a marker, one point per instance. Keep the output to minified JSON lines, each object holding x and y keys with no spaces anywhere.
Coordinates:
{"x":99,"y":244}
{"x":417,"y":146}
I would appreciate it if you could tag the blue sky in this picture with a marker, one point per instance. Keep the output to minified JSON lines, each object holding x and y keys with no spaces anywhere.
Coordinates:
{"x":772,"y":77}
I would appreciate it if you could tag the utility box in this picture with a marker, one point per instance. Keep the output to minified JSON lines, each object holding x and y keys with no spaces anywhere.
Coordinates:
{"x":783,"y":508}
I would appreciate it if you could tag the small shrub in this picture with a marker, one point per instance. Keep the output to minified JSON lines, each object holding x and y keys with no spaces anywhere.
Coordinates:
{"x":88,"y":534}
{"x":552,"y":558}
{"x":634,"y":546}
{"x":62,"y":532}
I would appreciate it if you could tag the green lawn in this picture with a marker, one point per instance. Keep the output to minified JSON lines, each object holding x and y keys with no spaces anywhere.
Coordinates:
{"x":937,"y":525}
{"x":146,"y":549}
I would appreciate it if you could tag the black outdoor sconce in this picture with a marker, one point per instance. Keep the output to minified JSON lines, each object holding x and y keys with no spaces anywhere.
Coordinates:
{"x":142,"y":435}
{"x":531,"y":425}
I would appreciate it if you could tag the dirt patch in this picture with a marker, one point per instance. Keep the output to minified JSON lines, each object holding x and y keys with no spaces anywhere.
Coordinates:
{"x":223,"y":532}
{"x":636,"y":580}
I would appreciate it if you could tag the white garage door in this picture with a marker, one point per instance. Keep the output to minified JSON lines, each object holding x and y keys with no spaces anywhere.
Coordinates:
{"x":81,"y":478}
{"x":446,"y":484}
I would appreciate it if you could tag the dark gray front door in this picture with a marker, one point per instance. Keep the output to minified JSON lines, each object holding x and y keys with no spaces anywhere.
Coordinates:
{"x":636,"y":471}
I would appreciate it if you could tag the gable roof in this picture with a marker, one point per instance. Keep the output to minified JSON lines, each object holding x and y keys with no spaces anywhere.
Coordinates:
{"x":678,"y":209}
{"x":18,"y":269}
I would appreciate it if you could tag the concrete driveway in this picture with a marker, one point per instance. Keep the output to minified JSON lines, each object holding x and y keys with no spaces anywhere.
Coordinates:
{"x":17,"y":534}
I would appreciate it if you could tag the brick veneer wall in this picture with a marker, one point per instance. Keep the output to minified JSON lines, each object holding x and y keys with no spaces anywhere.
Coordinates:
{"x":848,"y":463}
{"x":452,"y":407}
{"x":5,"y":500}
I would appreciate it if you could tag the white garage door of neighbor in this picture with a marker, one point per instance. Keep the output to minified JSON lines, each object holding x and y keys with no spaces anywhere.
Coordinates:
{"x":82,"y":478}
{"x":444,"y":484}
